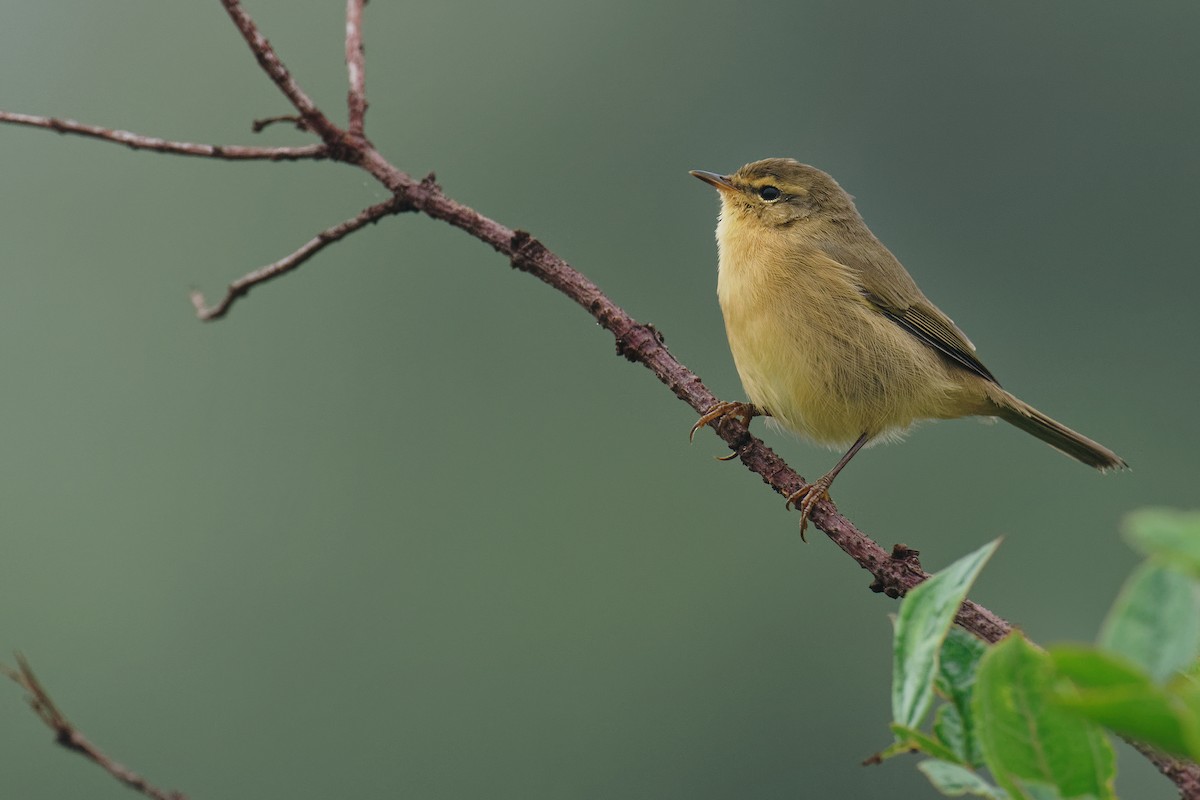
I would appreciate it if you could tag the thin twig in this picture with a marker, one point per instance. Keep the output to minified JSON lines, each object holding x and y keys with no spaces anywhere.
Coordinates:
{"x":356,"y":67}
{"x":137,"y":141}
{"x":242,"y":286}
{"x":260,"y":125}
{"x":314,"y":119}
{"x":72,"y":739}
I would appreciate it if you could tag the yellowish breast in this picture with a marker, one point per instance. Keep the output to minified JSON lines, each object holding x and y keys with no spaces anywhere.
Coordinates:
{"x":812,"y":351}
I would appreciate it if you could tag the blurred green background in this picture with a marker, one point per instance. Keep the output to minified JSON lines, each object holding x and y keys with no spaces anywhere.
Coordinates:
{"x":403,"y":525}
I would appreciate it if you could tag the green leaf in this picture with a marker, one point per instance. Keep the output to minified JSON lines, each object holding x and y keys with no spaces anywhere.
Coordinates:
{"x":1155,"y":621}
{"x":954,"y":723}
{"x":1186,"y":689}
{"x":1109,"y":690}
{"x":912,"y":740}
{"x":960,"y":656}
{"x":955,"y":780}
{"x":1044,"y":791}
{"x":950,"y":730}
{"x":1173,"y":535}
{"x":1027,"y":738}
{"x":925,"y":616}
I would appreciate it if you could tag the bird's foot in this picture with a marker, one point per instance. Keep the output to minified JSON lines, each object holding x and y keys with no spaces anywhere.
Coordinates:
{"x":741,"y":411}
{"x":806,"y":498}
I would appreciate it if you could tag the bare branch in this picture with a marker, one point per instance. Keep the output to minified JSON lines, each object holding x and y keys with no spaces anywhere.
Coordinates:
{"x":136,"y":141}
{"x":260,"y":125}
{"x":314,"y":119}
{"x":71,"y":738}
{"x":242,"y":286}
{"x":356,"y":67}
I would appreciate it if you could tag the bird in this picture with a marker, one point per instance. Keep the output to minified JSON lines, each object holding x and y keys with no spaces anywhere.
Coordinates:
{"x":831,"y":336}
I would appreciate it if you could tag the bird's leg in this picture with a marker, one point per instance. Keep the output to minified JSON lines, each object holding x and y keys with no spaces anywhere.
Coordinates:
{"x":807,"y":496}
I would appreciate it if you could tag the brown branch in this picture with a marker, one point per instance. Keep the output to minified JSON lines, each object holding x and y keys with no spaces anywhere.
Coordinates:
{"x":1182,"y":773}
{"x":72,"y":739}
{"x":314,"y":119}
{"x":356,"y":67}
{"x":136,"y":141}
{"x":242,"y":286}
{"x":260,"y":125}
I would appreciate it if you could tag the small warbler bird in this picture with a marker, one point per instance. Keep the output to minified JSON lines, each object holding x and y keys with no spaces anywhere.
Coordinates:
{"x":831,"y":336}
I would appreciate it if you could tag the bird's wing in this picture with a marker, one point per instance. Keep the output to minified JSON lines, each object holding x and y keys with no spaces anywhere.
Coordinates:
{"x":897,"y":297}
{"x":936,"y":330}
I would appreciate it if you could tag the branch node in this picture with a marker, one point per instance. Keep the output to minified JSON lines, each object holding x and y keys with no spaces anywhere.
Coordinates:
{"x":636,"y":342}
{"x":526,"y":250}
{"x":879,"y":587}
{"x":345,"y":147}
{"x":890,"y":576}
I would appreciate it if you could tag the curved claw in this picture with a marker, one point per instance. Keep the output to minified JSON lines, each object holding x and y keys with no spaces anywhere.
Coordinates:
{"x":805,"y":499}
{"x":743,"y":411}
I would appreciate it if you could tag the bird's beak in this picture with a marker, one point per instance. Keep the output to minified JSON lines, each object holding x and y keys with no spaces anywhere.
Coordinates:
{"x":720,"y":181}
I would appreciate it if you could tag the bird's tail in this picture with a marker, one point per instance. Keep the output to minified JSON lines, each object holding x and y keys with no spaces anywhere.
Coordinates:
{"x":1029,"y":419}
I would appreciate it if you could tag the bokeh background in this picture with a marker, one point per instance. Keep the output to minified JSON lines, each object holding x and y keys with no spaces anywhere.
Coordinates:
{"x":404,"y":526}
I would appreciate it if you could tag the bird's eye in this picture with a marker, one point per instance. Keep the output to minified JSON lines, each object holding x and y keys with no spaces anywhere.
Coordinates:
{"x":770,"y":193}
